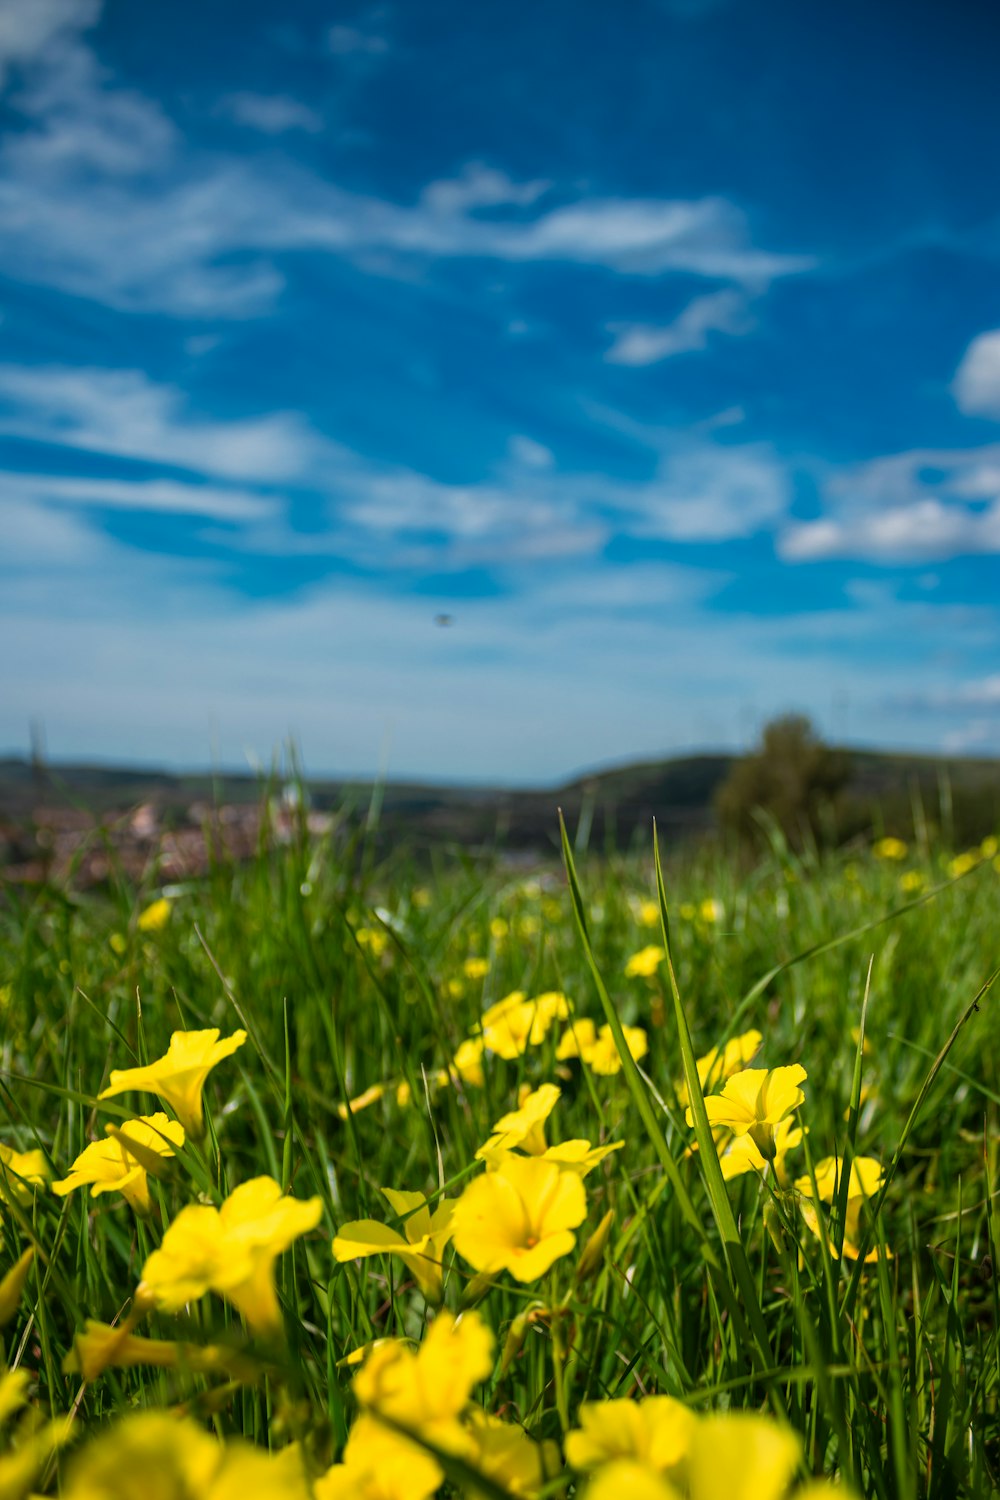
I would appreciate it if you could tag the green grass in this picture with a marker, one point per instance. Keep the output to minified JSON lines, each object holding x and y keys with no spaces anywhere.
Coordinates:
{"x":348,"y":973}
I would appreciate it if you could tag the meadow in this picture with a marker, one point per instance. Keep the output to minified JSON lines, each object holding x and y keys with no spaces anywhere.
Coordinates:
{"x":344,"y":1174}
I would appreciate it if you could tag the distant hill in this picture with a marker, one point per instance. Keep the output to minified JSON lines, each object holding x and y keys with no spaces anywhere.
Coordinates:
{"x":55,"y":807}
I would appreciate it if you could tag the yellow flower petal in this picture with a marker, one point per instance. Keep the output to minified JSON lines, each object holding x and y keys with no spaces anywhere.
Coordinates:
{"x":179,"y":1076}
{"x":519,"y":1217}
{"x":742,"y":1456}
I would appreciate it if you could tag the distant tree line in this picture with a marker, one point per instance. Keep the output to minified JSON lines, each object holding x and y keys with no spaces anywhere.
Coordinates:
{"x":812,"y":793}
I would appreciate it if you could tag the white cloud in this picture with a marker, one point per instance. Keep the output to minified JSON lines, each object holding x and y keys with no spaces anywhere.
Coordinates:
{"x":29,"y":28}
{"x":381,"y":516}
{"x":529,"y":453}
{"x":100,"y":197}
{"x":480,"y":186}
{"x":429,"y":524}
{"x":982,"y":693}
{"x":701,"y":492}
{"x":145,"y":658}
{"x":271,"y":114}
{"x":977,"y":382}
{"x":908,"y":508}
{"x":149,"y":495}
{"x":183,"y":247}
{"x":924,"y":529}
{"x":704,"y":237}
{"x":76,"y":124}
{"x":121,"y":413}
{"x":978,"y":735}
{"x":644,"y":344}
{"x":707,"y":492}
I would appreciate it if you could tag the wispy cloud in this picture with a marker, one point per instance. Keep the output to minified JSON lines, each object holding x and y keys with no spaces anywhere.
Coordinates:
{"x":479,"y":186}
{"x":977,"y":382}
{"x":346,"y":666}
{"x":150,"y":496}
{"x":123,"y":414}
{"x":529,"y":452}
{"x":383,"y":515}
{"x":100,"y":196}
{"x":913,"y":507}
{"x":28,"y":31}
{"x":978,"y":693}
{"x":271,"y":114}
{"x":646,"y":344}
{"x":971,"y":710}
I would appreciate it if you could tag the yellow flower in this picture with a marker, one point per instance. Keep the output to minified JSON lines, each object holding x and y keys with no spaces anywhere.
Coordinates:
{"x":13,"y":1392}
{"x":710,"y":910}
{"x":912,"y":881}
{"x":476,"y":968}
{"x":361,"y":1101}
{"x":989,"y":847}
{"x":524,"y":1129}
{"x":623,"y":1476}
{"x":20,"y":1173}
{"x":889,"y":848}
{"x":655,"y":1432}
{"x":467,"y":1064}
{"x":426,"y":1235}
{"x":644,"y":964}
{"x":374,"y":939}
{"x":179,"y":1077}
{"x":506,"y":1454}
{"x":519,"y":1217}
{"x":155,"y":917}
{"x":421,"y":898}
{"x":229,"y":1250}
{"x":740,"y":1154}
{"x":111,"y":1167}
{"x":101,"y":1347}
{"x":754,"y":1101}
{"x":866,"y":1179}
{"x":597,"y":1048}
{"x":425,"y":1392}
{"x":379,"y":1465}
{"x":525,"y":1126}
{"x":717,"y":1065}
{"x":12,"y":1286}
{"x":31,"y":1444}
{"x":579,"y":1156}
{"x":515,"y":1023}
{"x":963,"y":863}
{"x":649,"y":913}
{"x":499,"y":929}
{"x":739,"y":1455}
{"x":152,"y":1455}
{"x":593,"y":1251}
{"x":743,"y":1456}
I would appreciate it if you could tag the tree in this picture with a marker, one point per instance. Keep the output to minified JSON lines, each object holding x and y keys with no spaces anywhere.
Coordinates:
{"x":792,"y":777}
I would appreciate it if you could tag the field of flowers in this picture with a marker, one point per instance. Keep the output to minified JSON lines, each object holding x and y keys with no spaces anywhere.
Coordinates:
{"x":341,"y":1177}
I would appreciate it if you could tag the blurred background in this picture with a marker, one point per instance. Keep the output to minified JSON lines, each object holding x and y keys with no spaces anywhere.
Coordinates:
{"x":484,"y":393}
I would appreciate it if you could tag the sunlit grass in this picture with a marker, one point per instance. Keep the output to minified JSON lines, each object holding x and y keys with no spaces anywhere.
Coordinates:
{"x":482,"y":1084}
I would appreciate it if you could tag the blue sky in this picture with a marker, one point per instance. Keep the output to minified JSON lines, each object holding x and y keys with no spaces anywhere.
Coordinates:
{"x":657,"y":346}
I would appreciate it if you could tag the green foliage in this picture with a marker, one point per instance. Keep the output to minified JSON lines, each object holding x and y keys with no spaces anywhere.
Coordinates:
{"x":790,"y":783}
{"x":348,"y":973}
